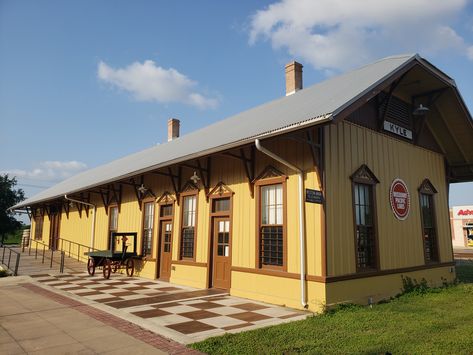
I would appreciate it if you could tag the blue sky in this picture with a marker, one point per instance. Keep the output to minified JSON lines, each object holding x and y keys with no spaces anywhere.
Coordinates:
{"x":85,"y":82}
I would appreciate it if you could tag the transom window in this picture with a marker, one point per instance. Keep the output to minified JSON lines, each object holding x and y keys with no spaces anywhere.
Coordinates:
{"x":148,"y":223}
{"x":366,"y":248}
{"x":221,"y":204}
{"x":166,"y":210}
{"x":189,"y":205}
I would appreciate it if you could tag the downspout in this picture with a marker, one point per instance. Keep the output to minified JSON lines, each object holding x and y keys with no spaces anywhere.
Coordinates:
{"x":92,"y":232}
{"x":301,"y":215}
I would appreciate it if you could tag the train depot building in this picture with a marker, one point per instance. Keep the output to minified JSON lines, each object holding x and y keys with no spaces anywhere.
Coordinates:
{"x":333,"y":193}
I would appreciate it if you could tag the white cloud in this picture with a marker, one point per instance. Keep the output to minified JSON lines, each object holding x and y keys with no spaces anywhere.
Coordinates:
{"x":470,"y":52}
{"x":148,"y":82}
{"x":339,"y":34}
{"x":48,"y":170}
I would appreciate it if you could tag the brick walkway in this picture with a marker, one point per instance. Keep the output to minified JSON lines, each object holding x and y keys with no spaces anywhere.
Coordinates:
{"x":181,"y":313}
{"x":126,"y":327}
{"x":34,"y":320}
{"x":149,"y":309}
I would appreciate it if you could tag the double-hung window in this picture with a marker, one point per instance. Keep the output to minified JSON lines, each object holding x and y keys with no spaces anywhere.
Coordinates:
{"x":38,"y":226}
{"x":271,"y":220}
{"x":272,"y":223}
{"x":366,"y":248}
{"x":429,"y":233}
{"x":364,"y":227}
{"x":148,"y":223}
{"x":112,"y":222}
{"x":189,"y":209}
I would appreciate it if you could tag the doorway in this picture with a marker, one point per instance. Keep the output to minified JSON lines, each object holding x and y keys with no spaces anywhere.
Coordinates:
{"x":165,"y":242}
{"x":55,"y":220}
{"x":221,"y":254}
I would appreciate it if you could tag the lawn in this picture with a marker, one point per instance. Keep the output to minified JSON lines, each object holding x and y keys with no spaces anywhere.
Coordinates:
{"x":14,"y":238}
{"x":436,"y":322}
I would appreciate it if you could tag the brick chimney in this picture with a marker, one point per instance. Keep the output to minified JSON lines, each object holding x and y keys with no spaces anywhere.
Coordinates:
{"x":293,"y":77}
{"x":173,"y":128}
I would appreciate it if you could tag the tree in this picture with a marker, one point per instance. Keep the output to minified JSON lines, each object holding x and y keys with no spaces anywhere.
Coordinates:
{"x":8,"y":198}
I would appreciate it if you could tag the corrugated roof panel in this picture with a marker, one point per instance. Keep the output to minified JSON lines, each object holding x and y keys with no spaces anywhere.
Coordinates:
{"x":317,"y":101}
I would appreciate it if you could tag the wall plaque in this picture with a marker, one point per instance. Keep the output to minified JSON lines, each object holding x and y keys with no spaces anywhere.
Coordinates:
{"x":400,"y":199}
{"x":314,"y":196}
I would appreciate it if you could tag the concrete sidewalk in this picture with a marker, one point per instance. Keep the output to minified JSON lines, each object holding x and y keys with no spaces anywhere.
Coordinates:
{"x":33,"y":323}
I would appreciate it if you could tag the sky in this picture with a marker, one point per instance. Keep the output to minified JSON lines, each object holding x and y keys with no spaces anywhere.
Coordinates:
{"x":85,"y":82}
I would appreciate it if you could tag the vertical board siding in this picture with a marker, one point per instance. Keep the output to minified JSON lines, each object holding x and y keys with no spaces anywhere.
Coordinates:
{"x":231,"y":172}
{"x":348,"y":146}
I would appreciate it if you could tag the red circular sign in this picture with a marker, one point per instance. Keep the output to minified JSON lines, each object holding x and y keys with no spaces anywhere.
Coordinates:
{"x":400,"y":199}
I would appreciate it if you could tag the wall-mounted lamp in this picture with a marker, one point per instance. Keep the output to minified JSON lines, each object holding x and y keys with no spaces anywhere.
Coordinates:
{"x":142,"y":189}
{"x":421,"y":110}
{"x":195,"y":179}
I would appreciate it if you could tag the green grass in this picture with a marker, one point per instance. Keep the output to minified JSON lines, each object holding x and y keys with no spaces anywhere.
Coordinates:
{"x":438,"y":321}
{"x":15,"y":238}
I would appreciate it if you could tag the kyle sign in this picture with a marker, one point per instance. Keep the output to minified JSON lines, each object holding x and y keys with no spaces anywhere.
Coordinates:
{"x":400,"y":199}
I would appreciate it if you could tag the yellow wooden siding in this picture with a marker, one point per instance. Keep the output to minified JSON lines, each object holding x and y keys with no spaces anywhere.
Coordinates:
{"x":347,"y":147}
{"x":383,"y":287}
{"x":277,"y":290}
{"x":231,"y":172}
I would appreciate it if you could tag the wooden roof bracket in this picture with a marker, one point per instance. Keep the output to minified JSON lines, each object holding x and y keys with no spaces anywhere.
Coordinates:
{"x":205,"y":173}
{"x":248,"y":164}
{"x":66,"y":207}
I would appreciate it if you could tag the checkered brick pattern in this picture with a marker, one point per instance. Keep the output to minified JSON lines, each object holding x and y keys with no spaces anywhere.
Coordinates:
{"x":184,"y":311}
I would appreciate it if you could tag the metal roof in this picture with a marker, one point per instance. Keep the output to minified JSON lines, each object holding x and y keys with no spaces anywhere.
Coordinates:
{"x":312,"y":105}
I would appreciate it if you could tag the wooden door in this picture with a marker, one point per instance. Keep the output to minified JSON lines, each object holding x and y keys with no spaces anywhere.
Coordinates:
{"x":54,"y":230}
{"x":166,"y":249}
{"x":221,"y":253}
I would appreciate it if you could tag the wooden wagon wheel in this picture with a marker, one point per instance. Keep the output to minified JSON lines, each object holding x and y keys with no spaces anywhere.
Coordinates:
{"x":130,"y":266}
{"x":91,"y":266}
{"x":107,"y":268}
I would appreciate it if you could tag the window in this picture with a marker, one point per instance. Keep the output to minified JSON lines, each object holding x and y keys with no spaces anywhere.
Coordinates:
{"x":112,"y":223}
{"x":38,"y":226}
{"x":165,"y":211}
{"x":189,"y":205}
{"x":271,"y":249}
{"x":148,"y":223}
{"x":167,"y":237}
{"x":366,"y":249}
{"x":429,"y":235}
{"x":365,"y":238}
{"x":271,"y":229}
{"x":220,"y":205}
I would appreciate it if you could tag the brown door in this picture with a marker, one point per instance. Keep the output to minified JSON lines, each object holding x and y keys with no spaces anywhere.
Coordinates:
{"x":166,"y":249}
{"x":221,"y":253}
{"x":54,"y":230}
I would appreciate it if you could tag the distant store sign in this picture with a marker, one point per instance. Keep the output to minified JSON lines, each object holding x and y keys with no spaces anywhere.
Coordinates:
{"x":400,"y":199}
{"x":462,"y":212}
{"x":400,"y":131}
